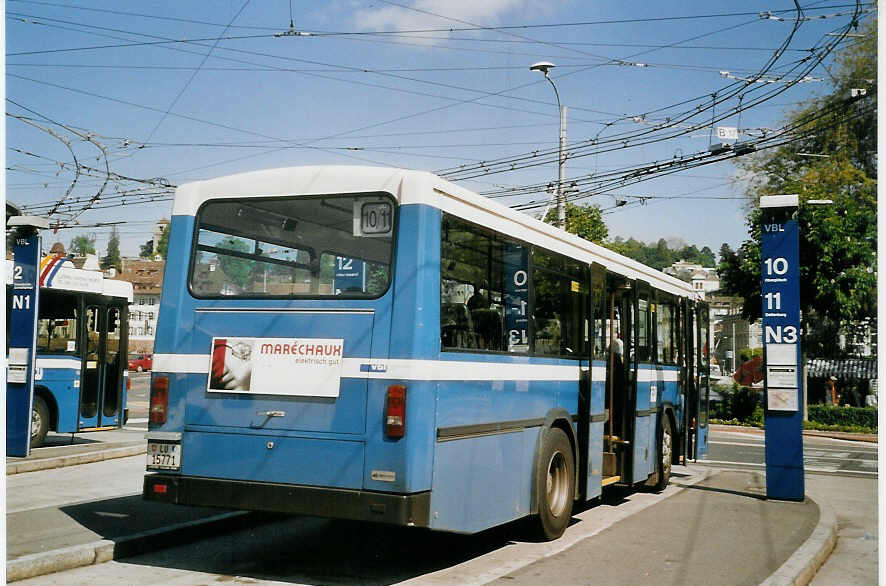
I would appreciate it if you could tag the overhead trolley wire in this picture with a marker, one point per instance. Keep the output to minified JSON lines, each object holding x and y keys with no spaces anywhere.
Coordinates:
{"x":536,"y":158}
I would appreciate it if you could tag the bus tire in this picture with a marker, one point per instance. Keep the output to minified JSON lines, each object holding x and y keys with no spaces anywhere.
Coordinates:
{"x":39,"y":422}
{"x":554,"y":484}
{"x":666,"y":451}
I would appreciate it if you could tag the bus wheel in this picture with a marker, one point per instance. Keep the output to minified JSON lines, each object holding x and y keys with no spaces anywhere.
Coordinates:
{"x":667,"y":454}
{"x":39,"y":422}
{"x":554,"y":484}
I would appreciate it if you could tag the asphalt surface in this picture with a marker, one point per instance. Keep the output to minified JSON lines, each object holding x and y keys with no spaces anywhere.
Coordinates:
{"x":713,"y":526}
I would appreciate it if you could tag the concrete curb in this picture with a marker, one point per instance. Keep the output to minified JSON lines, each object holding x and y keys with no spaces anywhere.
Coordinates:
{"x":801,"y":567}
{"x":98,"y":552}
{"x":74,"y":459}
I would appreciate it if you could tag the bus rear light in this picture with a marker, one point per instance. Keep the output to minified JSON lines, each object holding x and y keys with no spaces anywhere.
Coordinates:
{"x":160,"y":489}
{"x":159,"y":399}
{"x":395,"y":412}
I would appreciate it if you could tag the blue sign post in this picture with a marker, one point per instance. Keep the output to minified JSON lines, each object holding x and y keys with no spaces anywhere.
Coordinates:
{"x":22,"y":334}
{"x":781,"y":348}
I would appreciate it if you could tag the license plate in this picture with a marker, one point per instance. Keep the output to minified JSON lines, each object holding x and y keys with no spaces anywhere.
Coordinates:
{"x":164,"y":456}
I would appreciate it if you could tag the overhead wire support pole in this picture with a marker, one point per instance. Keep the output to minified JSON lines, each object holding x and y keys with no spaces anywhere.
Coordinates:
{"x":545,"y":67}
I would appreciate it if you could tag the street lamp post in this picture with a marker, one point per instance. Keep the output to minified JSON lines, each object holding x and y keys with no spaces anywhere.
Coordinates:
{"x":545,"y":67}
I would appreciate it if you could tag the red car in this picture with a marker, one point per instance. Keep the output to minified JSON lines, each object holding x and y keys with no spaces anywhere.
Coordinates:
{"x":140,"y":362}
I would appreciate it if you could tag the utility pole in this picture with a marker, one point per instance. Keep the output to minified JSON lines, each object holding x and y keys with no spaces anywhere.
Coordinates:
{"x":545,"y":67}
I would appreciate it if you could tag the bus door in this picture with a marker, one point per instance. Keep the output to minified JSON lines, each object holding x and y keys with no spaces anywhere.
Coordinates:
{"x":704,"y":378}
{"x":698,"y":384}
{"x":101,"y":388}
{"x":644,"y":380}
{"x":688,"y":379}
{"x":619,"y":400}
{"x":592,"y":416}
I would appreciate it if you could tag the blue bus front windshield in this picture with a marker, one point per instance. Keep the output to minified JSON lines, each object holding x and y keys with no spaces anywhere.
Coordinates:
{"x":308,"y":246}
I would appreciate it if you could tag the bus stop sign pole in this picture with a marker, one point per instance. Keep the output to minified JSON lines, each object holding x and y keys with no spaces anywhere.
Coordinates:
{"x":22,"y":334}
{"x":781,"y":347}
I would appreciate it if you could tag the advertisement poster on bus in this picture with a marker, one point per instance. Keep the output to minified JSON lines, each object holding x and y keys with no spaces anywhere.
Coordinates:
{"x":301,"y":367}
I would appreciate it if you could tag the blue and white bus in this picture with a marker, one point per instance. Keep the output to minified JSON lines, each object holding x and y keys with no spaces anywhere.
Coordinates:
{"x":384,"y":345}
{"x":80,"y":378}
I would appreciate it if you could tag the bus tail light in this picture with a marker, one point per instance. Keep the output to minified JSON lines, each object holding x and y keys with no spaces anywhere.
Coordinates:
{"x":159,"y":399}
{"x":395,"y":412}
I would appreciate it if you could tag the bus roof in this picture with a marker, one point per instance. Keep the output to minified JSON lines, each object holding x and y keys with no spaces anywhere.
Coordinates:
{"x":69,"y":278}
{"x":418,"y":187}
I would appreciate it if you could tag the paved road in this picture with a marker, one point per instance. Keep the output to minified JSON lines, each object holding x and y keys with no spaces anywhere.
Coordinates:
{"x":137,"y":397}
{"x":821,"y":455}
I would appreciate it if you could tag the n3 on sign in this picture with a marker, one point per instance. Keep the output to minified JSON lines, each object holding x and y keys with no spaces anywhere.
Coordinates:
{"x":781,"y":335}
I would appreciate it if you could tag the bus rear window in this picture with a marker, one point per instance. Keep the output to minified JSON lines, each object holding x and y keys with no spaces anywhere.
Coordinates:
{"x":310,"y":246}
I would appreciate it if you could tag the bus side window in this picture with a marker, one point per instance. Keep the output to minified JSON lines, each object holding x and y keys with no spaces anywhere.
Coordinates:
{"x":665,"y":334}
{"x":600,"y":321}
{"x":57,"y":323}
{"x":643,"y":329}
{"x":560,"y":297}
{"x":472,"y":292}
{"x":92,"y":333}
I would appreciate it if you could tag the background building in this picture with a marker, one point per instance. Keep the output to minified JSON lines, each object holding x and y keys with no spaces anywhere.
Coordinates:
{"x":732,"y":334}
{"x":146,"y":277}
{"x":704,"y":280}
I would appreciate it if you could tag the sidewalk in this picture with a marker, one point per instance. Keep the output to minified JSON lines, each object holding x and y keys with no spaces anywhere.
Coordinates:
{"x":719,"y":531}
{"x":713,"y":527}
{"x":65,"y":449}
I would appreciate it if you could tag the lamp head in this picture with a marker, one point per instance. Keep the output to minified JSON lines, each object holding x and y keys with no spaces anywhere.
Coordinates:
{"x":543,"y":66}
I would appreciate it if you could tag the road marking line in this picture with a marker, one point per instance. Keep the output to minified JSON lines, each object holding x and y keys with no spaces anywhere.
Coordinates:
{"x":838,"y":472}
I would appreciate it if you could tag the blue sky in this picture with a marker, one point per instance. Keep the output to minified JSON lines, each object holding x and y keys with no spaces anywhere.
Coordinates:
{"x":162,"y":93}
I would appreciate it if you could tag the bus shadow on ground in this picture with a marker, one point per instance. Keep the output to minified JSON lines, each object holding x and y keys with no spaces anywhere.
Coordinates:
{"x":299,"y":549}
{"x":123,"y":517}
{"x":310,"y":550}
{"x":54,"y":439}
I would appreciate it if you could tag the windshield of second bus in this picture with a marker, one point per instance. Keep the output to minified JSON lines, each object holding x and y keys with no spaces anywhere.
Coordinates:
{"x":310,"y":246}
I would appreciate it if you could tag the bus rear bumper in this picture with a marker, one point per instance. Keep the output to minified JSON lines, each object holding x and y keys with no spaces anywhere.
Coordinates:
{"x":396,"y":509}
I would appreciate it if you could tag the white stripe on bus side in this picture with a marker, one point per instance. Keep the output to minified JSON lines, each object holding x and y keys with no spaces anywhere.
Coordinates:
{"x":442,"y":370}
{"x":72,"y":363}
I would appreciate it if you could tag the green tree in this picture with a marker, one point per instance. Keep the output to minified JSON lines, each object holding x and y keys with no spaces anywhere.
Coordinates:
{"x":237,"y":269}
{"x":147,"y":249}
{"x":838,"y":242}
{"x":112,"y":257}
{"x":163,"y":243}
{"x":82,"y":245}
{"x":583,"y":221}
